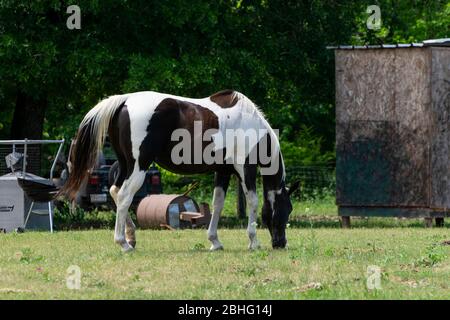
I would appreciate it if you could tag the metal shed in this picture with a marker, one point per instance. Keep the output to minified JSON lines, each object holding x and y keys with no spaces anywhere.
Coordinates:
{"x":393,"y":130}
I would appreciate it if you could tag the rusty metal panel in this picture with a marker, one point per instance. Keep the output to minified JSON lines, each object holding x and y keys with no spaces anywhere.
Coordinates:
{"x":440,"y":144}
{"x":152,"y":211}
{"x":157,"y":210}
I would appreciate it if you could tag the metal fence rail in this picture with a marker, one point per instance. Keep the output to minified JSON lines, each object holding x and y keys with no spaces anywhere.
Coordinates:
{"x":37,"y":152}
{"x":34,"y":158}
{"x":314,"y":180}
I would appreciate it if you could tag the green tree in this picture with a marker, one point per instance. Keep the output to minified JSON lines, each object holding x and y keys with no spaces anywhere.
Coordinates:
{"x":272,"y":51}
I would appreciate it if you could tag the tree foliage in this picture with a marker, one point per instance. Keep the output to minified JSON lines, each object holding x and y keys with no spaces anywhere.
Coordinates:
{"x":272,"y":51}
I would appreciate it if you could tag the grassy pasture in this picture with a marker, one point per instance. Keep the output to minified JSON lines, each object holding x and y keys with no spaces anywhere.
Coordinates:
{"x":320,"y":263}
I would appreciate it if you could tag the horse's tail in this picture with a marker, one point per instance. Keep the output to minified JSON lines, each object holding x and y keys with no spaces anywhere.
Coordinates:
{"x":88,"y":142}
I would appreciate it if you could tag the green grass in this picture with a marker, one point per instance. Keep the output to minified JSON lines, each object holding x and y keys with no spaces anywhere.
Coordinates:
{"x":318,"y":203}
{"x":319,"y":212}
{"x":322,"y":263}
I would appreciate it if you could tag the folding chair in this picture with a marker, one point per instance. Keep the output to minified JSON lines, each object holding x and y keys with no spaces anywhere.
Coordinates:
{"x":39,"y":191}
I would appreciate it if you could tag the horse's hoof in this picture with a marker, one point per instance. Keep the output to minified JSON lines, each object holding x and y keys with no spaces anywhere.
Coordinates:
{"x":216,"y":247}
{"x":132,"y":243}
{"x":127,"y":249}
{"x":254,"y":245}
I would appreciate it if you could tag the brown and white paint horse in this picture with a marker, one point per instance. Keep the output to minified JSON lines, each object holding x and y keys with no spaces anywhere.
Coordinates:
{"x":141,"y":126}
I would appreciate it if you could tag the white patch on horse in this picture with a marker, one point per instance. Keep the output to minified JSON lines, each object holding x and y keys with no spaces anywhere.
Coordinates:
{"x":113,"y":191}
{"x":141,"y":106}
{"x":271,"y":198}
{"x":244,"y":117}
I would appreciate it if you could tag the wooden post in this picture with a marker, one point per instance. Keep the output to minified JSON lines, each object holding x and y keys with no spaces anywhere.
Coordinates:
{"x":428,"y":222}
{"x":241,"y":204}
{"x":345,"y":222}
{"x":439,"y":222}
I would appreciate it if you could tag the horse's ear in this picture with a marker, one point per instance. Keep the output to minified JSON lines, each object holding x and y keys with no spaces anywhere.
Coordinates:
{"x":293,"y":187}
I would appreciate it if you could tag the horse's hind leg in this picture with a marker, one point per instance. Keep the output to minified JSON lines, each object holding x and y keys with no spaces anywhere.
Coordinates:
{"x":130,"y":228}
{"x":221,"y":182}
{"x":130,"y":231}
{"x":124,"y":198}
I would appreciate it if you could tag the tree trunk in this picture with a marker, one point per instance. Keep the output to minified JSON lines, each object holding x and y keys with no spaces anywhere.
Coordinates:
{"x":28,"y":122}
{"x":28,"y":119}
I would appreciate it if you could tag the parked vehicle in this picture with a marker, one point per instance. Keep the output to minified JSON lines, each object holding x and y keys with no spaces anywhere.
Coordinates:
{"x":94,"y":193}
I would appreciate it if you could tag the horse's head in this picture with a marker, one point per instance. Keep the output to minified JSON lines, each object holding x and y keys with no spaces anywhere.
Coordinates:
{"x":276,"y":211}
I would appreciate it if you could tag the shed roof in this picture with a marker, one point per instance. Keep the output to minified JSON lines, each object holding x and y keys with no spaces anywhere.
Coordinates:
{"x":444,"y":42}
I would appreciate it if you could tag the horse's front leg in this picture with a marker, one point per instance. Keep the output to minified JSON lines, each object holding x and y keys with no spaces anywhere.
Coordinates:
{"x":221,"y":182}
{"x":247,"y":173}
{"x":252,"y":203}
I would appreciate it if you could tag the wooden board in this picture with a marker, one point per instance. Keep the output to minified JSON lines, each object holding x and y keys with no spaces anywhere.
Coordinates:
{"x":383,"y":103}
{"x":364,"y":109}
{"x":390,"y":212}
{"x":365,"y":167}
{"x":440,"y":131}
{"x":364,"y":82}
{"x":188,"y":216}
{"x":412,"y":111}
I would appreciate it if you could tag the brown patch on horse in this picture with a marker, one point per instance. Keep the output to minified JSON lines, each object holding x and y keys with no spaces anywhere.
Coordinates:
{"x":169,"y":115}
{"x":119,"y":132}
{"x":225,"y":98}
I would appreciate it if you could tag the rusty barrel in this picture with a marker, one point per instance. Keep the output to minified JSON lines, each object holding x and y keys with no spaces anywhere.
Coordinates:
{"x":158,"y":210}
